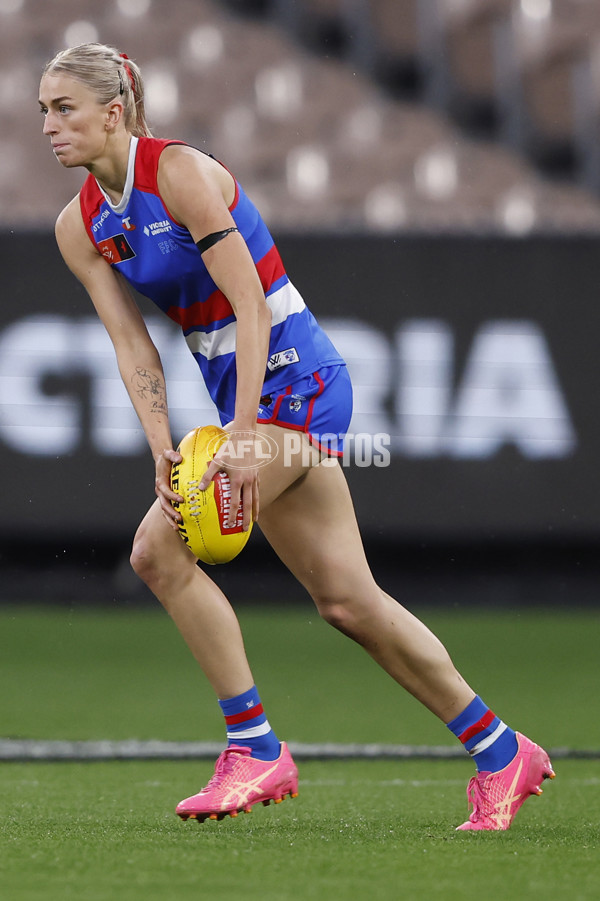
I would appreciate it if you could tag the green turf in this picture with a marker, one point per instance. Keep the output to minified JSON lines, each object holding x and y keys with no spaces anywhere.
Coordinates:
{"x":78,"y":674}
{"x":360,"y":829}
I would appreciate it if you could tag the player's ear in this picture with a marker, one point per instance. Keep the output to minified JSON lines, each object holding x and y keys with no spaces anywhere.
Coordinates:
{"x":114,"y":114}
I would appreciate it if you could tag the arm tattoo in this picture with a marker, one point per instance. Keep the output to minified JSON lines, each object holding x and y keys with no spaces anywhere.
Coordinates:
{"x":150,"y":387}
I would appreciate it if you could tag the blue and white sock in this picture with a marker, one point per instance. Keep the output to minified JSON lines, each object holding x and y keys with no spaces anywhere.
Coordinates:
{"x":247,"y":725}
{"x":489,"y":741}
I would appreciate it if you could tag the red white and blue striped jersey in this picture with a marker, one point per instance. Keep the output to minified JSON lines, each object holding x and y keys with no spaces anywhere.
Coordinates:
{"x":159,"y":258}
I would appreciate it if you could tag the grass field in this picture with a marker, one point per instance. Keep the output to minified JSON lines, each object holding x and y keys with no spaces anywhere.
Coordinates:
{"x":361,"y":829}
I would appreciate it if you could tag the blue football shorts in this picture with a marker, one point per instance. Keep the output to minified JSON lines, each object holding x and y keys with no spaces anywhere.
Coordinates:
{"x":320,"y":405}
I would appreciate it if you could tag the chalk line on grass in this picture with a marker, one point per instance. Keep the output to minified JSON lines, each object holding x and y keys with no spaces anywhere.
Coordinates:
{"x":23,"y":749}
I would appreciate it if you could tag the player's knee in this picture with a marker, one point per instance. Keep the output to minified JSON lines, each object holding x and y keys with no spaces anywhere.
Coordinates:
{"x":338,"y":614}
{"x":144,"y":560}
{"x":140,"y":563}
{"x":348,"y":605}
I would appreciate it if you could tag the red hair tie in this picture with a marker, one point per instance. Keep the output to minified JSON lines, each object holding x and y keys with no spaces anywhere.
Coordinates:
{"x":129,"y":72}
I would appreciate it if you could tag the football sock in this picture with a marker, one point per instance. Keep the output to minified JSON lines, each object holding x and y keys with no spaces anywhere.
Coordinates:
{"x":489,"y":741}
{"x":247,"y":725}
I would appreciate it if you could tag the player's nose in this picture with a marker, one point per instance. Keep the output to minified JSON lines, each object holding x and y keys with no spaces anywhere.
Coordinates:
{"x":49,"y":127}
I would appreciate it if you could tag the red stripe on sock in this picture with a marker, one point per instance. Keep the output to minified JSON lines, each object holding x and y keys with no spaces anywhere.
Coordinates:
{"x":246,"y":715}
{"x":479,"y":726}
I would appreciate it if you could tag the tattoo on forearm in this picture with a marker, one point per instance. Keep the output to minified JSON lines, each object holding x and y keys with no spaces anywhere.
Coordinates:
{"x":150,"y":387}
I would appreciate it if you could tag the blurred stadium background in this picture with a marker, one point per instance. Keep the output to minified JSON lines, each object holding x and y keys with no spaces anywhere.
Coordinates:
{"x":431,"y":172}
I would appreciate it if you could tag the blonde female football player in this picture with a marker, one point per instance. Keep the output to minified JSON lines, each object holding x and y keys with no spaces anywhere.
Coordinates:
{"x":173,"y":222}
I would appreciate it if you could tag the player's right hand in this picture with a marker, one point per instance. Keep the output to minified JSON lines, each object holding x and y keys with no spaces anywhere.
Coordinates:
{"x":162,"y":487}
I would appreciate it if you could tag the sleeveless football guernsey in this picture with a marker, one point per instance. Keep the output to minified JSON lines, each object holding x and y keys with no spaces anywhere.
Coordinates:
{"x":159,"y":258}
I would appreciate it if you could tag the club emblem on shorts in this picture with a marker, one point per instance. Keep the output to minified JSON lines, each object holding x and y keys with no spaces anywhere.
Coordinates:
{"x":282,"y":358}
{"x":296,"y":401}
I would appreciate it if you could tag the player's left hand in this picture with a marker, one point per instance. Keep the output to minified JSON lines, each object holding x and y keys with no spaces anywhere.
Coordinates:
{"x":237,"y":457}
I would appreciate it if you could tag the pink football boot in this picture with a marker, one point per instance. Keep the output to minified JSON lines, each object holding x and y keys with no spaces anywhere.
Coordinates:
{"x":496,"y":797}
{"x":239,"y":782}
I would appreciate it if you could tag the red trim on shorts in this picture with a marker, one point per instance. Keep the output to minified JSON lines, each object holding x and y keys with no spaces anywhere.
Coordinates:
{"x":306,"y":425}
{"x":312,"y":440}
{"x":325,"y":448}
{"x":311,"y":405}
{"x":278,"y":404}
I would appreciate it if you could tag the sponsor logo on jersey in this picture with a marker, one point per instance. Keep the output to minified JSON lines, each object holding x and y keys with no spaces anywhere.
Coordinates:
{"x":282,"y":358}
{"x":127,"y":224}
{"x":98,"y":225}
{"x":116,"y":249}
{"x":157,"y":228}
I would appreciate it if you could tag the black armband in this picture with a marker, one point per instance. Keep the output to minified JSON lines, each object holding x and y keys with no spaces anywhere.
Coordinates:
{"x":214,"y":238}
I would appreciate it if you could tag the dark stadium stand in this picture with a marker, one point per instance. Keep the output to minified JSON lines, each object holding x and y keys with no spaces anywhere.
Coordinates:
{"x":339,"y":115}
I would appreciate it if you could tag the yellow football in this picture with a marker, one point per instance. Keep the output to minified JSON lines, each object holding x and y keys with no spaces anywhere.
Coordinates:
{"x":204,"y":528}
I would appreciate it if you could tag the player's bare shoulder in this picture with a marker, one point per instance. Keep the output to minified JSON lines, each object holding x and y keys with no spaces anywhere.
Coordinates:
{"x":70,"y":230}
{"x":177,"y":156}
{"x":78,"y":252}
{"x":188,"y":177}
